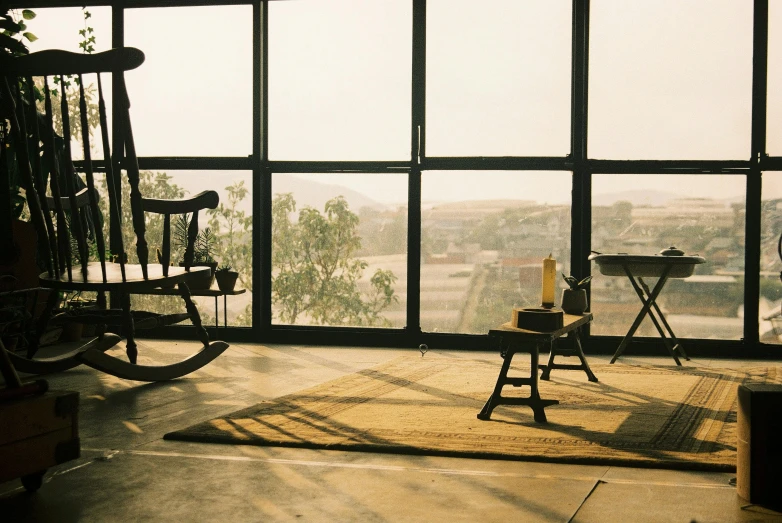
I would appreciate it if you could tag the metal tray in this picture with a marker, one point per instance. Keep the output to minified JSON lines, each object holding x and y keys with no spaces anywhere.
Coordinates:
{"x":651,"y":266}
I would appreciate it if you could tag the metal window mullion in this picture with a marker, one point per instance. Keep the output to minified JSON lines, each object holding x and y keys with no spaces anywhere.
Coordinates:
{"x":417,"y":157}
{"x":754,"y":191}
{"x":262,"y":176}
{"x":581,"y":211}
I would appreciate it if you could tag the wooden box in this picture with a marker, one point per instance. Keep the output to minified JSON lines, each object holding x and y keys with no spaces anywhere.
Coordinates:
{"x":759,"y":446}
{"x":38,"y":432}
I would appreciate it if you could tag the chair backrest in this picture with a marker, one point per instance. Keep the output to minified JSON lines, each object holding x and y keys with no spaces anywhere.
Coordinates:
{"x":44,"y":153}
{"x":167,"y":208}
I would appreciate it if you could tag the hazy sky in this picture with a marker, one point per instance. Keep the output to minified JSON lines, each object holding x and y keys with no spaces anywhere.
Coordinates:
{"x":668,"y":79}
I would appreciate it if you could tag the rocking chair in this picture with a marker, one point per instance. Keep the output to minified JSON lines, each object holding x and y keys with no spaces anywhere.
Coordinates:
{"x":70,"y":219}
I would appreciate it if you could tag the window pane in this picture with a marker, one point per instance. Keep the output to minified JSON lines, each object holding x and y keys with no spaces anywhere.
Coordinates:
{"x":670,"y":79}
{"x":230,"y":229}
{"x":642,"y":214}
{"x":339,"y":80}
{"x":498,"y":78}
{"x":484,"y":237}
{"x":774,"y":107}
{"x":192,"y":97}
{"x":339,"y":249}
{"x":770,"y":265}
{"x":58,"y":28}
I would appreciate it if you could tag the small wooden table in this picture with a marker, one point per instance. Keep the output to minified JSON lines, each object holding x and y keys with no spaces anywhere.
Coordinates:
{"x":514,"y":340}
{"x":213,"y":292}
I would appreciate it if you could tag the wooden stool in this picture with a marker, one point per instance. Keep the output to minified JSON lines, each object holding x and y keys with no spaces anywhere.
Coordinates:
{"x":514,"y":340}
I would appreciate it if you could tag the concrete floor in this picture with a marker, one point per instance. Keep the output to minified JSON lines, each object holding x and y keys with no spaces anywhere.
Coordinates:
{"x":128,"y":473}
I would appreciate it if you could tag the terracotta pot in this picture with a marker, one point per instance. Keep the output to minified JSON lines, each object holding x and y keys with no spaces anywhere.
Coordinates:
{"x":226,"y":280}
{"x":574,"y":301}
{"x":202,"y":282}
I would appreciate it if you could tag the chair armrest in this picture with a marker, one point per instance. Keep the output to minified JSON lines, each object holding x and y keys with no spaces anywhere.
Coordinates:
{"x":203,"y":200}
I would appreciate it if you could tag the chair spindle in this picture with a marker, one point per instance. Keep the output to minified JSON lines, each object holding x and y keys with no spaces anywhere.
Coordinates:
{"x":94,"y":210}
{"x":114,"y":208}
{"x":77,"y":228}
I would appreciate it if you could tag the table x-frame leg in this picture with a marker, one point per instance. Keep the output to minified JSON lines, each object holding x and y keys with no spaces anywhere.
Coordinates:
{"x":650,"y":307}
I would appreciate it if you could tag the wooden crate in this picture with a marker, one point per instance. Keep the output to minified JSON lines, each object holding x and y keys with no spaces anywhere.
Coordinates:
{"x":759,"y":455}
{"x":36,"y":433}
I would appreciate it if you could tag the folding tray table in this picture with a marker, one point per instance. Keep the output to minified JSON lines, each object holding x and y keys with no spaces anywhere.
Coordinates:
{"x":638,"y":266}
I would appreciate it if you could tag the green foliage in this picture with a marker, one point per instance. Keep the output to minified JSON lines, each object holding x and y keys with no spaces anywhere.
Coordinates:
{"x":203,"y":246}
{"x":12,"y":31}
{"x":224,"y":268}
{"x":233,"y":229}
{"x":575,"y":284}
{"x":315,"y":269}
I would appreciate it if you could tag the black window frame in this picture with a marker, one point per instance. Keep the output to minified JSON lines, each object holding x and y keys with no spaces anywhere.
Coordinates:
{"x":577,"y":161}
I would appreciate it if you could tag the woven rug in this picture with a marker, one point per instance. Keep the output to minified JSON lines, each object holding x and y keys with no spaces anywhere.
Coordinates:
{"x":637,"y":415}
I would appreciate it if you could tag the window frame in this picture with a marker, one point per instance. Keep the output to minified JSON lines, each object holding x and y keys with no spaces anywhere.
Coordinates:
{"x":577,"y":161}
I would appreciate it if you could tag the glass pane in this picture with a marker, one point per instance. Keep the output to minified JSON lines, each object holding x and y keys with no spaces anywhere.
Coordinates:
{"x":339,"y":249}
{"x":339,"y":80}
{"x":193,"y":94}
{"x":770,"y":306}
{"x":670,"y":79}
{"x":225,"y":237}
{"x":643,"y":214}
{"x":498,"y":78}
{"x":774,"y":107}
{"x":484,"y":237}
{"x":59,"y":28}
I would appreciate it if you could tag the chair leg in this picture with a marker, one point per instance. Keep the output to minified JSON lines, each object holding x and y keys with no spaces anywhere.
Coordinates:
{"x":100,"y":329}
{"x":192,"y":310}
{"x":128,"y":328}
{"x":43,"y":322}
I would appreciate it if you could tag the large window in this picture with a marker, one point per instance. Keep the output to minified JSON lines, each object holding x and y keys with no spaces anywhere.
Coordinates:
{"x":770,"y":306}
{"x":339,"y":249}
{"x":62,"y":28}
{"x":774,"y":111}
{"x":398,"y":169}
{"x":484,"y":236}
{"x":670,"y":79}
{"x":644,"y":214}
{"x":498,"y":78}
{"x":193,"y":95}
{"x":339,"y":80}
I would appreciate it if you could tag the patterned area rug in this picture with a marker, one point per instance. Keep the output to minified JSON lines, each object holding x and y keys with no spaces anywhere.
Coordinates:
{"x":637,"y":415}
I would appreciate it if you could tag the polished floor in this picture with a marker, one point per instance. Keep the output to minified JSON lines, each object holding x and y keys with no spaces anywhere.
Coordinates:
{"x":127,"y":472}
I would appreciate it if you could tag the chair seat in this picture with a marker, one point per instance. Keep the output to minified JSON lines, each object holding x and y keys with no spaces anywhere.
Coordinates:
{"x":134,"y":280}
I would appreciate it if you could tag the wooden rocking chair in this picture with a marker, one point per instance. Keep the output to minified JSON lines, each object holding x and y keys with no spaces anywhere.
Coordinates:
{"x":72,"y":215}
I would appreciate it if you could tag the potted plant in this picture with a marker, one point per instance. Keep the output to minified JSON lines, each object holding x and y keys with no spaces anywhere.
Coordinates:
{"x":226,"y":278}
{"x":203,"y":249}
{"x":73,"y":306}
{"x":574,"y":299}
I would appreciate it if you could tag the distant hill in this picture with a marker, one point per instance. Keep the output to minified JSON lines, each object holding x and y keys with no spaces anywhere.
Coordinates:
{"x":305,"y":192}
{"x":639,"y":197}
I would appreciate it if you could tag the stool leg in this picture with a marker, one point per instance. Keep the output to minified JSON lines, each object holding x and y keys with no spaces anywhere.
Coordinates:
{"x":535,"y":401}
{"x":580,"y":353}
{"x":493,"y":400}
{"x":545,"y":373}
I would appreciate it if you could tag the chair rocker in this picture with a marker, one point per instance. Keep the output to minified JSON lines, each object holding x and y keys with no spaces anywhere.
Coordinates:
{"x":70,"y":219}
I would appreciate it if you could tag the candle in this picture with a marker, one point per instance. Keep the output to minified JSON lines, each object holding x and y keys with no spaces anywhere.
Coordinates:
{"x":549,"y":281}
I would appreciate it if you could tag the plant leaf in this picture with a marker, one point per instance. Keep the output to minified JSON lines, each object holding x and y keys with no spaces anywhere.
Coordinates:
{"x":30,"y":37}
{"x":10,"y":25}
{"x":27,"y":14}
